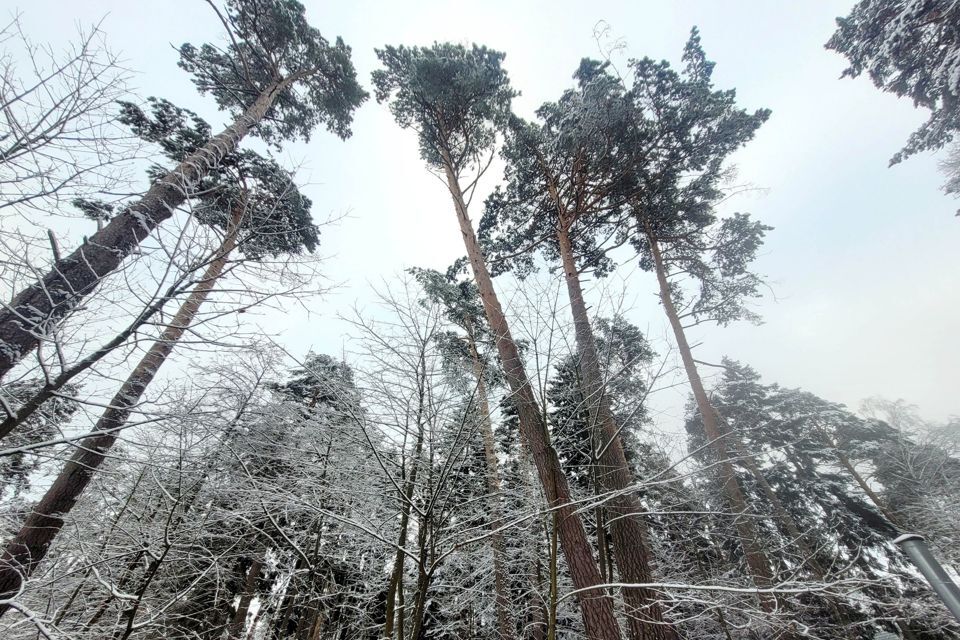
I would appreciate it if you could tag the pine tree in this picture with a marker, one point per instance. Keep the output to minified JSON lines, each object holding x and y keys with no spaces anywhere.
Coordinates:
{"x":457,"y":98}
{"x":795,"y":436}
{"x":255,"y":205}
{"x":910,"y":48}
{"x":269,"y":509}
{"x":311,"y":451}
{"x":565,"y":182}
{"x":279,"y":79}
{"x":622,"y":353}
{"x":695,"y":128}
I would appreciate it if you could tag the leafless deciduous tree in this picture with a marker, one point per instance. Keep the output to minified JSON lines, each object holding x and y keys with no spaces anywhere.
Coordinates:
{"x":59,"y":136}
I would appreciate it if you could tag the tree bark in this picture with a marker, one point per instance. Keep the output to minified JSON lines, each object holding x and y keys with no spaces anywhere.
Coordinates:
{"x":506,"y":628}
{"x":602,"y":551}
{"x":757,"y":561}
{"x":538,"y":606}
{"x":395,"y":589}
{"x":878,"y":502}
{"x":862,"y":483}
{"x":28,"y":548}
{"x":47,"y":391}
{"x":39,"y":307}
{"x":424,"y":577}
{"x":554,"y":595}
{"x":596,"y":609}
{"x":235,"y":628}
{"x":285,"y":608}
{"x":631,"y":548}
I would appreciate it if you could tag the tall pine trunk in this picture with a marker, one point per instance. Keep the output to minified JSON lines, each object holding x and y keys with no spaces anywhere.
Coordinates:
{"x":28,"y":548}
{"x":757,"y":561}
{"x":599,"y":620}
{"x":631,"y":548}
{"x":35,"y":310}
{"x":506,"y":628}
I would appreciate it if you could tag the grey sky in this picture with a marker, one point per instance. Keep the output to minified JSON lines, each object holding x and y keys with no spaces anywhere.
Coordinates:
{"x":863,"y":259}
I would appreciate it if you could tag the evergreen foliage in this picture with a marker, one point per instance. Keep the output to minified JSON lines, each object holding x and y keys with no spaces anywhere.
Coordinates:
{"x":910,"y":48}
{"x":272,"y":45}
{"x":441,"y":479}
{"x":453,"y":96}
{"x":276,"y":215}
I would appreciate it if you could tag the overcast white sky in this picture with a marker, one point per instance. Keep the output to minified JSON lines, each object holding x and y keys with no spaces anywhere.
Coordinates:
{"x":863,"y":259}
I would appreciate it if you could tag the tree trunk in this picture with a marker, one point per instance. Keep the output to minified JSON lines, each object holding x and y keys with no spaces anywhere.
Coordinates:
{"x":285,"y":608}
{"x":249,"y":635}
{"x":424,"y":575}
{"x":235,"y":628}
{"x":48,"y":390}
{"x":538,"y":607}
{"x":757,"y":561}
{"x":862,"y":483}
{"x":505,"y":626}
{"x":39,"y":307}
{"x":25,"y":551}
{"x":317,"y":627}
{"x":597,"y":609}
{"x":396,"y":578}
{"x":554,"y":586}
{"x":601,"y":526}
{"x":631,"y":549}
{"x":309,"y":612}
{"x":891,"y":519}
{"x":401,"y":609}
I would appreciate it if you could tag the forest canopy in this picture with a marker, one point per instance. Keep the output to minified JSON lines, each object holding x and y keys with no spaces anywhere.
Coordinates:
{"x":556,"y":411}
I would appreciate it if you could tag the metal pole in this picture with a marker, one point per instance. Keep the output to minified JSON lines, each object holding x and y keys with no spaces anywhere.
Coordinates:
{"x":919,"y":553}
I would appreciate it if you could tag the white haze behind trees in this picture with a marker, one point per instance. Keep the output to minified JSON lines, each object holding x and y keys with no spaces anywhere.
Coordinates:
{"x":864,"y":293}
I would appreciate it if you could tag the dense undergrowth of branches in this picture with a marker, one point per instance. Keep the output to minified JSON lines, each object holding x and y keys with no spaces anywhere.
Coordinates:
{"x":472,"y":464}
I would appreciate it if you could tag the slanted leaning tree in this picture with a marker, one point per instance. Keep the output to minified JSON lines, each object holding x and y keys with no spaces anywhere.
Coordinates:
{"x":279,"y":79}
{"x":179,"y":133}
{"x":260,"y":211}
{"x":677,"y":232}
{"x":565,"y":180}
{"x":457,"y":98}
